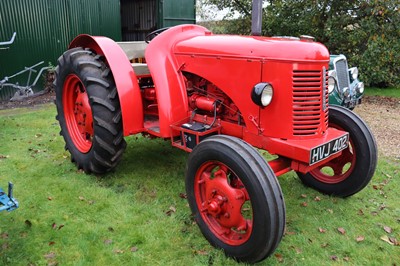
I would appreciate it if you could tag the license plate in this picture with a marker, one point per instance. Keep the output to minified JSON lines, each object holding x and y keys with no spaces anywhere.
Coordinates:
{"x":327,"y":149}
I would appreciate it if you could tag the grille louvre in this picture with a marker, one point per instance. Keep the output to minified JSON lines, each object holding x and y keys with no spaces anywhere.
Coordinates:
{"x":342,"y":73}
{"x":307,"y":102}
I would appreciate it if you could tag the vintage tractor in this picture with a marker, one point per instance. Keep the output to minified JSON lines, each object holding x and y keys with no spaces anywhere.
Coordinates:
{"x":218,"y":97}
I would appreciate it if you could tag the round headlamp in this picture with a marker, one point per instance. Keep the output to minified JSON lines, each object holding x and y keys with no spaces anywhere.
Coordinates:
{"x":354,"y":72}
{"x":262,"y":94}
{"x":331,"y":84}
{"x":360,"y":87}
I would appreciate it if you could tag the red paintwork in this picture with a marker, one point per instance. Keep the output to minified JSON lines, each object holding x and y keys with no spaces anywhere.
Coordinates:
{"x":191,"y":69}
{"x":220,"y":201}
{"x":77,"y":113}
{"x":124,"y":77}
{"x":340,"y":167}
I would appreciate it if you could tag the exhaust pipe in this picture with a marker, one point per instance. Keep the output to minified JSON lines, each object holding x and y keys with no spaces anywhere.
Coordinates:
{"x":256,"y":17}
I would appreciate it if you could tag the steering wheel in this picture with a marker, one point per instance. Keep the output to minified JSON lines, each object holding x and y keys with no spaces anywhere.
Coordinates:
{"x":154,"y":34}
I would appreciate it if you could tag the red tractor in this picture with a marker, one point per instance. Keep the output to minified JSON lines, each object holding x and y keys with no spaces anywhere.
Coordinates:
{"x":218,"y":97}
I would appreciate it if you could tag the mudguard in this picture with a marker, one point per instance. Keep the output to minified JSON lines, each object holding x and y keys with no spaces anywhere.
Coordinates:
{"x":124,"y":77}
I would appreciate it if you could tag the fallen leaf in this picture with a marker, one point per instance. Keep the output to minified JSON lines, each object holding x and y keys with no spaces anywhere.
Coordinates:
{"x":324,"y":245}
{"x":388,"y":175}
{"x":317,"y":198}
{"x":290,"y":233}
{"x":91,"y":202}
{"x":3,"y":156}
{"x":81,"y":198}
{"x":118,"y":251}
{"x":304,"y":204}
{"x":133,"y":249}
{"x":341,"y":230}
{"x":201,"y":252}
{"x":387,"y":240}
{"x":330,"y":211}
{"x":51,"y":243}
{"x":170,"y":211}
{"x":394,"y":241}
{"x":49,"y":198}
{"x":51,"y":255}
{"x":182,"y":195}
{"x":61,"y":226}
{"x":360,"y":212}
{"x":334,"y":258}
{"x":279,"y":257}
{"x":321,"y":230}
{"x":360,"y":238}
{"x":303,"y":196}
{"x":4,"y":235}
{"x":107,"y":241}
{"x":346,"y":259}
{"x":382,"y":207}
{"x":387,"y":229}
{"x":54,"y":225}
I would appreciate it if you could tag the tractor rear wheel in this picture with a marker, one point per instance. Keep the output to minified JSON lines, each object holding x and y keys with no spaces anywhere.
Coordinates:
{"x":235,"y":198}
{"x":89,"y":111}
{"x":349,"y":173}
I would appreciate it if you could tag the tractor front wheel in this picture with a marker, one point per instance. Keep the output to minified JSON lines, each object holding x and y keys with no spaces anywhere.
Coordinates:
{"x":349,"y":173}
{"x":235,"y":198}
{"x":88,"y":110}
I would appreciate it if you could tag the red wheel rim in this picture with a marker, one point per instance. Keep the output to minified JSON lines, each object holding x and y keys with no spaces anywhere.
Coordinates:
{"x":224,"y":203}
{"x":338,"y":169}
{"x":78,"y":113}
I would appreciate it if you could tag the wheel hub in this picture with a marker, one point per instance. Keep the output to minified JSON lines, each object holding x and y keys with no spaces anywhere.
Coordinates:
{"x":222,"y":204}
{"x":78,"y":113}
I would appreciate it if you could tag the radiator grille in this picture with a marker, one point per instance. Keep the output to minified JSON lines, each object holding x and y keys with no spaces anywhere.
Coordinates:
{"x":309,"y":101}
{"x":342,"y":74}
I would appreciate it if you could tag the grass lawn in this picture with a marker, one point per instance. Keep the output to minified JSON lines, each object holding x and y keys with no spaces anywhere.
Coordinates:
{"x":138,"y":215}
{"x":388,"y":92}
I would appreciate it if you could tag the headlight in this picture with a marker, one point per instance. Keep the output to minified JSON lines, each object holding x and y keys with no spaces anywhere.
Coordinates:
{"x":331,"y":84}
{"x":360,"y":87}
{"x":332,"y":73}
{"x":262,"y":94}
{"x":354,"y":72}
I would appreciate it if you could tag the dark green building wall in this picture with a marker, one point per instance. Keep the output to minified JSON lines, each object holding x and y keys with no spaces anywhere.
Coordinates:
{"x":45,"y":28}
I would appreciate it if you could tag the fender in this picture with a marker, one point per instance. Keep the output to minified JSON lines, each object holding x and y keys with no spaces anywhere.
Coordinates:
{"x":124,"y":77}
{"x":167,"y":77}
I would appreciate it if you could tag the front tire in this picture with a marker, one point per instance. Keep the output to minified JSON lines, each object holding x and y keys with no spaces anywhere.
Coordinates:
{"x":235,"y":198}
{"x":351,"y":172}
{"x":88,"y":110}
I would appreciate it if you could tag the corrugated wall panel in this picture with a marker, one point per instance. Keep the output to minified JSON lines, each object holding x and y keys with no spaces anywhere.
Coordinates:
{"x":177,"y":12}
{"x":45,"y":28}
{"x":138,"y":18}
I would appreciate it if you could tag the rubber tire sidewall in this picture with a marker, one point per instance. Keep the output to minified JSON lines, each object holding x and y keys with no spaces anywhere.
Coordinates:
{"x":265,"y":196}
{"x":92,"y":160}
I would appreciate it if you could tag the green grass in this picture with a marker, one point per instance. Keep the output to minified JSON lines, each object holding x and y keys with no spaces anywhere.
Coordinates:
{"x":388,"y":92}
{"x":136,"y":215}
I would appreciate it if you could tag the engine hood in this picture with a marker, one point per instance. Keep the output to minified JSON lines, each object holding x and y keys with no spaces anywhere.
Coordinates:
{"x":272,"y":48}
